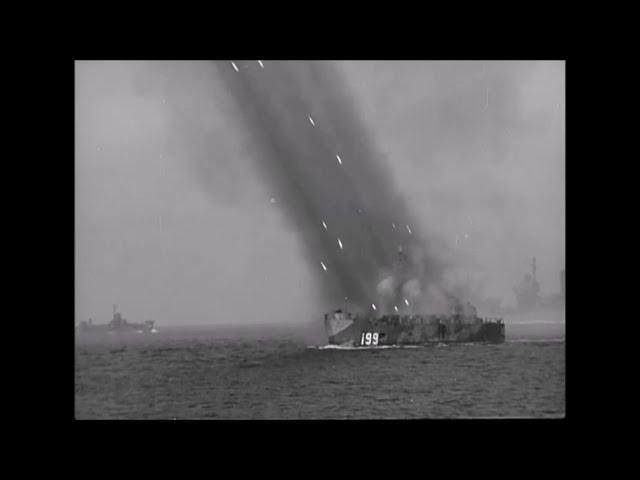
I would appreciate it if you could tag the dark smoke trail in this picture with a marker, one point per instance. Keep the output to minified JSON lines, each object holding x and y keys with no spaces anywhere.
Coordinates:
{"x":314,"y":151}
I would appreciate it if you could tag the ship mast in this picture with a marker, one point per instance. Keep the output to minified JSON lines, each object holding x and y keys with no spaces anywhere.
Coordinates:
{"x":534,"y":269}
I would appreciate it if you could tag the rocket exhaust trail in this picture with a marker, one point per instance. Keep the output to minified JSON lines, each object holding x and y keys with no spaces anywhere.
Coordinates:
{"x":300,"y":118}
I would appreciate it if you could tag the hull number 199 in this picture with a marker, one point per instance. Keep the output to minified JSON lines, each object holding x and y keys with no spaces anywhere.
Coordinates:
{"x":369,"y":338}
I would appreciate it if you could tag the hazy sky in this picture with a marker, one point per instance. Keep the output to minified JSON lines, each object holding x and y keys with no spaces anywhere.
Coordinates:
{"x":173,"y":223}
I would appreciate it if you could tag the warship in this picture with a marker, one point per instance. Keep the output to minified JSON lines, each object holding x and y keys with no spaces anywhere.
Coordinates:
{"x":461,"y":326}
{"x":528,"y":296}
{"x":118,"y":324}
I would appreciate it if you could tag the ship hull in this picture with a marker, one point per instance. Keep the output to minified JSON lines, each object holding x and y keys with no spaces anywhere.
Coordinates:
{"x":128,"y":328}
{"x":396,"y":330}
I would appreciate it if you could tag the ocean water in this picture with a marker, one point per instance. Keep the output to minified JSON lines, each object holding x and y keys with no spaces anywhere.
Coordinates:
{"x":275,"y":373}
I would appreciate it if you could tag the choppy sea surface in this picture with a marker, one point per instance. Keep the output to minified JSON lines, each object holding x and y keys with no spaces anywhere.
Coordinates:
{"x":277,"y":373}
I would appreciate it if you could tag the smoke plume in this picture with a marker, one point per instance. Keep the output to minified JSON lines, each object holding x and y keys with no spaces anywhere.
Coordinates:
{"x":322,"y":164}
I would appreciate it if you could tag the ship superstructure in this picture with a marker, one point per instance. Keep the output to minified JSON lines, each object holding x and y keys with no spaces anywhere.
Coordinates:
{"x":528,"y":295}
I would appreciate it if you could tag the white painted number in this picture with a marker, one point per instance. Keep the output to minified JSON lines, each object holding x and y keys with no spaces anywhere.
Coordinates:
{"x":369,"y":338}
